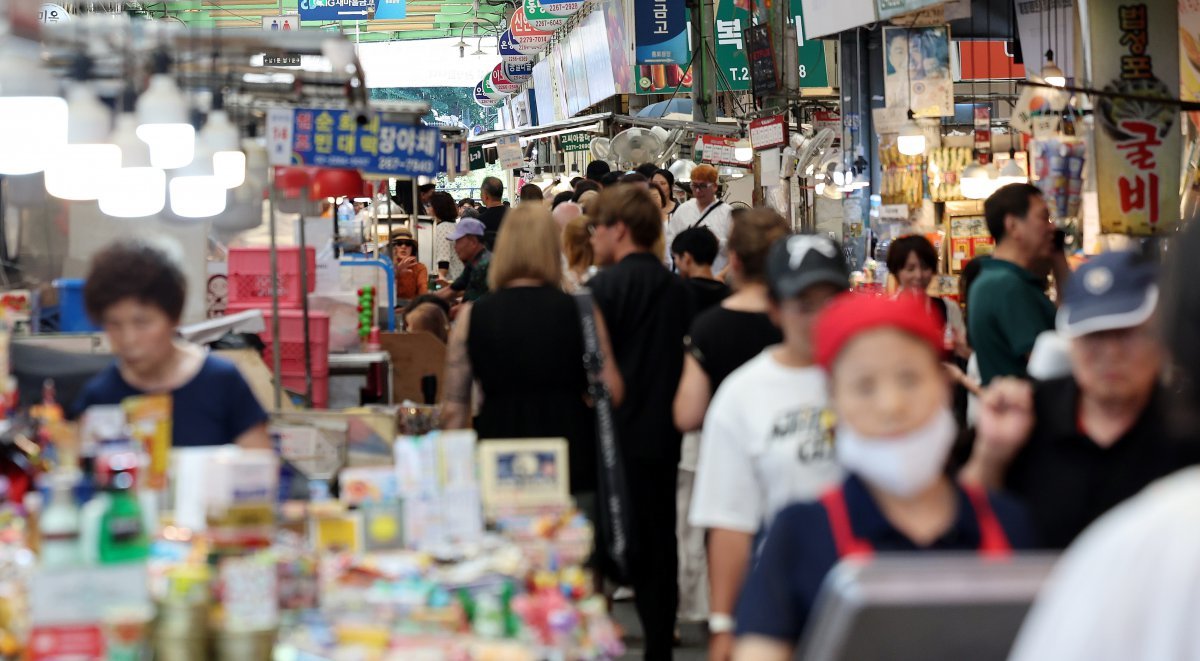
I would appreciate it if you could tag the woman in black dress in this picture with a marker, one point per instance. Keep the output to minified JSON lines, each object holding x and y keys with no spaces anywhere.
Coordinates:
{"x":523,"y":343}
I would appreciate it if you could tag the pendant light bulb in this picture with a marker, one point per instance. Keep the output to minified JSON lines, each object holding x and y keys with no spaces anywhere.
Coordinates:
{"x":195,"y":190}
{"x":79,"y":169}
{"x":136,"y":189}
{"x":911,"y":141}
{"x":35,"y":116}
{"x":163,"y":123}
{"x":1051,"y":73}
{"x":229,"y":161}
{"x":974,"y":182}
{"x":1012,"y":173}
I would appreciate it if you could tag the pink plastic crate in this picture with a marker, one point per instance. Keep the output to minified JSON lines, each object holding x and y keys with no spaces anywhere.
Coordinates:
{"x":320,"y":393}
{"x":291,"y":329}
{"x":250,"y":276}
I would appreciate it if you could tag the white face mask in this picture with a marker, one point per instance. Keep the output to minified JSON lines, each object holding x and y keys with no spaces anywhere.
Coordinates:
{"x":902,"y":465}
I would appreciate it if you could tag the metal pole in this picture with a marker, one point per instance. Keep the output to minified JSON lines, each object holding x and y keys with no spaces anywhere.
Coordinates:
{"x":277,"y":360}
{"x":303,"y":268}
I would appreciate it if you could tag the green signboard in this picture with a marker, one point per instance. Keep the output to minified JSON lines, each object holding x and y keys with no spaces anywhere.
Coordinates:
{"x":575,"y":142}
{"x":810,"y":53}
{"x":732,"y":20}
{"x":475,"y":158}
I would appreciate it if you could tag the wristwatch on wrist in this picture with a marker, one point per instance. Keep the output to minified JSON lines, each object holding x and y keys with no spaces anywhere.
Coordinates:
{"x":720,"y":623}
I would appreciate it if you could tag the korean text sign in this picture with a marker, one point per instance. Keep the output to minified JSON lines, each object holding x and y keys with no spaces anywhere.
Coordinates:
{"x":334,"y":10}
{"x":732,"y":20}
{"x":661,"y":30}
{"x":1137,"y":142}
{"x":334,"y":139}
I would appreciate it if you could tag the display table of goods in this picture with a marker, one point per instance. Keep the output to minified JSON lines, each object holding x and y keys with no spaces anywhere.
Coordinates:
{"x":232,"y":554}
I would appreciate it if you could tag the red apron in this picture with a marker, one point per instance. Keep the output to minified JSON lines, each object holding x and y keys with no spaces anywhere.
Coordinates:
{"x":992,"y":540}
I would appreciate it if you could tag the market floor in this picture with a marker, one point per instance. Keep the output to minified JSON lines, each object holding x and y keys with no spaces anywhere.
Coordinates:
{"x":693,"y":648}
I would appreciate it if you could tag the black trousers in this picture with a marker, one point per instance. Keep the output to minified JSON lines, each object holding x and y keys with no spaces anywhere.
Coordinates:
{"x":654,"y":568}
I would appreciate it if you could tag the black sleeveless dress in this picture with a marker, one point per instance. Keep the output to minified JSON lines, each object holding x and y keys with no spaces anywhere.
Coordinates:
{"x":526,"y":351}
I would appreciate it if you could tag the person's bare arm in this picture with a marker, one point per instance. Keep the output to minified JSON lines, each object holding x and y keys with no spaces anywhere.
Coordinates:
{"x":448,"y":294}
{"x":456,"y":407}
{"x":611,"y":372}
{"x":255,"y":438}
{"x":728,"y":562}
{"x":761,"y":648}
{"x":693,"y":396}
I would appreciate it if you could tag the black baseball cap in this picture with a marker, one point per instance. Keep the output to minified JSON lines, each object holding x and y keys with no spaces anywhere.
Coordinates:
{"x":800,"y":261}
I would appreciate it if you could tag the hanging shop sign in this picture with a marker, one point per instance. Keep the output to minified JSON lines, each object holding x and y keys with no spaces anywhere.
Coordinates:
{"x":768,"y":132}
{"x":916,"y":71}
{"x":518,"y":73}
{"x":490,"y":91}
{"x":390,"y":9}
{"x":764,"y":76}
{"x":573,"y":142}
{"x":1044,"y":26}
{"x":335,"y":139}
{"x":501,"y":81}
{"x":475,"y":157}
{"x":335,"y":10}
{"x":508,"y":150}
{"x":483,"y":99}
{"x":718,"y":150}
{"x":561,"y":8}
{"x":541,"y":19}
{"x":662,"y":79}
{"x":527,"y":36}
{"x":661,"y":32}
{"x":52,"y":13}
{"x":894,"y":8}
{"x":1137,"y":142}
{"x":732,"y":17}
{"x":810,"y":53}
{"x":510,"y":50}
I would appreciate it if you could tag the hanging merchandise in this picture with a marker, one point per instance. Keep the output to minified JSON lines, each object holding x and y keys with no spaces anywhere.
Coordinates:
{"x":902,"y":175}
{"x":1137,"y":142}
{"x":1057,"y":169}
{"x":1050,"y":26}
{"x":945,"y":164}
{"x":661,"y":28}
{"x":917,"y":71}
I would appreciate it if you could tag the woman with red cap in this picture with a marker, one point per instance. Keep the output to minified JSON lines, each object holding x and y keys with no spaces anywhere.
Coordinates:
{"x":893,"y":437}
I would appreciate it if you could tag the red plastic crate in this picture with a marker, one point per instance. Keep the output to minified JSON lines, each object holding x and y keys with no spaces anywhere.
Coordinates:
{"x":320,"y":392}
{"x":250,"y":276}
{"x":291,"y":328}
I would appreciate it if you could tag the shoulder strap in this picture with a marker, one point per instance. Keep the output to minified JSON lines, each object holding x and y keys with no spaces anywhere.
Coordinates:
{"x":707,"y":211}
{"x":992,"y":540}
{"x":834,"y":502}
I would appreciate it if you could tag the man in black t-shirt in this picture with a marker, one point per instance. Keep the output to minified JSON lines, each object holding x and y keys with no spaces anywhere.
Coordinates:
{"x":1074,"y":448}
{"x":647,"y":310}
{"x":491,"y":191}
{"x":694,"y":251}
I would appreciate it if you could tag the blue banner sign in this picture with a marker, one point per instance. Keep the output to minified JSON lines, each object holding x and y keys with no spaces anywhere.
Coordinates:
{"x":334,"y":139}
{"x":335,"y":10}
{"x":661,"y":29}
{"x":390,"y":9}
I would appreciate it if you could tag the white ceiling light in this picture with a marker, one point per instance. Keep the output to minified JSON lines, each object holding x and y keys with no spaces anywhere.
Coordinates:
{"x":136,"y":189}
{"x":743,"y":152}
{"x":229,"y":161}
{"x":79,"y":169}
{"x":195,"y":190}
{"x":33,"y":117}
{"x":911,"y":141}
{"x":163,"y":123}
{"x":1051,"y":73}
{"x":974,"y":182}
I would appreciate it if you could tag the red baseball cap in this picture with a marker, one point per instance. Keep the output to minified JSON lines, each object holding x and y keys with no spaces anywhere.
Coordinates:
{"x":852,"y":314}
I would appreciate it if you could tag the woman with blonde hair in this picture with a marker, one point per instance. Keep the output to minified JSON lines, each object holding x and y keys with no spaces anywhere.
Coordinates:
{"x":524,"y":344}
{"x":577,"y":251}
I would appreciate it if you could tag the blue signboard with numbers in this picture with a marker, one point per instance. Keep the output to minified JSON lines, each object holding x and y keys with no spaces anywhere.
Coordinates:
{"x":335,"y":139}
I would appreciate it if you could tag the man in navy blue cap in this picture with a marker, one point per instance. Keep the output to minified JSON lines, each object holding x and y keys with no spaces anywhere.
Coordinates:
{"x":1075,"y":447}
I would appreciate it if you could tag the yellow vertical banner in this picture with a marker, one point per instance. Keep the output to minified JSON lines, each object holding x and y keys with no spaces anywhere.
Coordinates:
{"x":1135,"y":47}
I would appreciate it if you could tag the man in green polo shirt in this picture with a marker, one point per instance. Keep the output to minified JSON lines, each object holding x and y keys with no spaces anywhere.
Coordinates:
{"x":1008,"y":307}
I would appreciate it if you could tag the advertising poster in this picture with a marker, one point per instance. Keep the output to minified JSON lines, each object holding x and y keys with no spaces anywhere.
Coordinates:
{"x":917,"y":71}
{"x":1137,"y":142}
{"x":1046,"y":26}
{"x":663,"y":79}
{"x":619,"y":47}
{"x":732,"y":20}
{"x":661,"y":28}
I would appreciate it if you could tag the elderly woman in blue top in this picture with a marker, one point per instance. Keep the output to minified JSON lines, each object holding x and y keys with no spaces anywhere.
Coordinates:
{"x":135,"y":291}
{"x":894,"y":435}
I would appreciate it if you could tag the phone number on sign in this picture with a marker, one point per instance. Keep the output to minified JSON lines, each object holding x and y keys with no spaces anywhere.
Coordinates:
{"x":416,"y":166}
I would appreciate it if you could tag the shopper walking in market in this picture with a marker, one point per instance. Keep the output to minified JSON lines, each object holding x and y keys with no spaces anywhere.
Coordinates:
{"x":412,"y":277}
{"x":524,"y":345}
{"x":472,"y":285}
{"x":445,"y":215}
{"x":706,"y":209}
{"x":1074,"y":448}
{"x":491,"y":192}
{"x":646,"y":308}
{"x":1009,"y":307}
{"x":766,"y":441}
{"x":710,"y":358}
{"x":894,"y":433}
{"x":135,"y":291}
{"x":912,"y":260}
